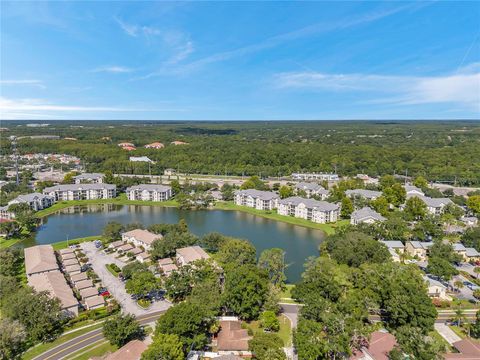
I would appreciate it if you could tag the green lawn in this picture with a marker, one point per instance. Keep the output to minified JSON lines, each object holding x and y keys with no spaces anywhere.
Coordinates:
{"x":458,"y":330}
{"x":99,"y":348}
{"x":120,"y":200}
{"x":327,"y":228}
{"x":285,"y":332}
{"x":40,"y":349}
{"x":111,"y":270}
{"x":4,"y":243}
{"x":286,"y":295}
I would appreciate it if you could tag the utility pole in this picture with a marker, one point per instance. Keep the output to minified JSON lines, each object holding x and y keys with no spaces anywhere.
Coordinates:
{"x":15,"y":156}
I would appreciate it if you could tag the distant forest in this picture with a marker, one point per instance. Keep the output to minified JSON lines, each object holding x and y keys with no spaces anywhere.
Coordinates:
{"x":437,"y":150}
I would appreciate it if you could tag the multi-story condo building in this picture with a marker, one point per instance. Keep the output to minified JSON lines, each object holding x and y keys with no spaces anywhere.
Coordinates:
{"x":312,"y":189}
{"x":315,"y":176}
{"x":36,"y":201}
{"x":366,"y":194}
{"x":81,"y":191}
{"x":260,"y":200}
{"x":140,"y":237}
{"x":309,"y":209}
{"x":365,"y":215}
{"x":149,"y":192}
{"x":435,"y":206}
{"x":89,"y":178}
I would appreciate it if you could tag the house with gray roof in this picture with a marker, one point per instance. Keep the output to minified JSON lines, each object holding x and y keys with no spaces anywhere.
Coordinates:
{"x":149,"y":192}
{"x":395,"y":248}
{"x":435,"y":206}
{"x":312,"y":189}
{"x":309,"y":209}
{"x":365,"y":215}
{"x":81,"y":191}
{"x":364,"y":193}
{"x":471,"y":254}
{"x":413,"y":190}
{"x":419,"y":249}
{"x":436,"y":289}
{"x":257,"y":199}
{"x":36,"y":201}
{"x":88,"y":178}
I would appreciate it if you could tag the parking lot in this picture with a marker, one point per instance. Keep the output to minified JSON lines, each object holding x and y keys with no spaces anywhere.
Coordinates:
{"x":98,"y":259}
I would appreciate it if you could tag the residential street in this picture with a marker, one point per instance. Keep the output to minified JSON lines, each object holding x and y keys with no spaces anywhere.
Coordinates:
{"x":465,"y":292}
{"x":116,"y":287}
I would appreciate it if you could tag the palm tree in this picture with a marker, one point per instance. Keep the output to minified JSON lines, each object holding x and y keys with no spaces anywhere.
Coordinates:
{"x":458,"y":284}
{"x":459,"y":316}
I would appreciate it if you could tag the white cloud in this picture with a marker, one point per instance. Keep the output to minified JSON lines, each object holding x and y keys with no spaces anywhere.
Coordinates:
{"x":462,"y":87}
{"x":25,"y":108}
{"x":113,"y":69}
{"x":27,"y":82}
{"x":129,"y":29}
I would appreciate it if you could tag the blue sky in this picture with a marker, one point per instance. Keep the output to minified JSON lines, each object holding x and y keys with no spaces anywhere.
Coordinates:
{"x":240,"y":60}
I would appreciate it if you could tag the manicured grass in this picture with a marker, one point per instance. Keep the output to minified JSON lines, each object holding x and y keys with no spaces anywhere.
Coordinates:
{"x":120,"y":200}
{"x":111,"y":270}
{"x":327,"y":228}
{"x":63,"y":244}
{"x":434,"y":334}
{"x":285,"y":332}
{"x":4,"y":243}
{"x":99,"y":348}
{"x":458,"y":330}
{"x":40,"y":349}
{"x":143,"y":303}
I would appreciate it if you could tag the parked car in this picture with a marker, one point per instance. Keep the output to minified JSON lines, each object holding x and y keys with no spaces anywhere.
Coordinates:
{"x":105,"y":293}
{"x":102,"y":289}
{"x":98,"y":244}
{"x":85,"y":267}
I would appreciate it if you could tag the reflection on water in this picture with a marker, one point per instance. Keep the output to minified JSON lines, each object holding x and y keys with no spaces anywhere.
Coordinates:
{"x":79,"y":221}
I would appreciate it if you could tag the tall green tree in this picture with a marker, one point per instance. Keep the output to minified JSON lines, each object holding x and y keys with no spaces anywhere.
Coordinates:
{"x":237,"y":252}
{"x":12,"y":338}
{"x":346,"y":208}
{"x":164,"y":347}
{"x":121,"y":329}
{"x":267,"y":346}
{"x":273,"y":262}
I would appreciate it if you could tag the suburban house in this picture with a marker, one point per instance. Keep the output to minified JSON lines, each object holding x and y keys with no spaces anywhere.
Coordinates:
{"x":367,"y":180}
{"x":395,"y":248}
{"x":129,"y":148}
{"x":130,"y":351}
{"x":471,"y":254}
{"x":140,"y":237}
{"x":141,"y":159}
{"x":6,"y":215}
{"x":363,"y":193}
{"x":125,"y":144}
{"x":116,"y":244}
{"x":89,"y":178}
{"x":365,"y":215}
{"x":155,"y":145}
{"x":36,"y":201}
{"x":149,"y":192}
{"x":143,"y":257}
{"x":379,"y":346}
{"x":81,"y":191}
{"x":84,"y":284}
{"x":125,"y":248}
{"x":73,"y":269}
{"x":435,"y":206}
{"x":467,"y":348}
{"x":257,"y":199}
{"x":413,"y":191}
{"x":54,"y":282}
{"x":309,"y":209}
{"x":176,"y":142}
{"x":418,"y":249}
{"x":312,"y":189}
{"x":459,"y":249}
{"x":315,"y":176}
{"x":88,"y":292}
{"x":78,"y":277}
{"x":232,"y":338}
{"x":190,"y":254}
{"x":167,"y":266}
{"x":40,"y":259}
{"x":436,"y":289}
{"x":469,"y":221}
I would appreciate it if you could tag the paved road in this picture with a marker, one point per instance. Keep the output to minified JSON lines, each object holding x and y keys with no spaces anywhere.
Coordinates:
{"x":291,"y":311}
{"x":99,"y":259}
{"x":467,"y":268}
{"x":465,"y":293}
{"x":87,"y":339}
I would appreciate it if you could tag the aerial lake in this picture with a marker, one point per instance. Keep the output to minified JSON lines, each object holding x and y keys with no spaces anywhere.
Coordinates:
{"x":298,"y":242}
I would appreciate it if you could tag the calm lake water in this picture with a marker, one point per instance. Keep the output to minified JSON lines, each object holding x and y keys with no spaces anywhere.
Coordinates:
{"x":298,"y":242}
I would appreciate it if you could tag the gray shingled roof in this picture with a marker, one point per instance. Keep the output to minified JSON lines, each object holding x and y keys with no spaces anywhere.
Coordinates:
{"x":310,"y":203}
{"x":149,"y":187}
{"x":365,"y":213}
{"x":30,"y":197}
{"x":421,"y":244}
{"x":435,"y":202}
{"x":258,"y":194}
{"x":393,"y":244}
{"x":74,"y":187}
{"x":363,"y":193}
{"x":89,"y":176}
{"x":412,"y":188}
{"x":309,"y":186}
